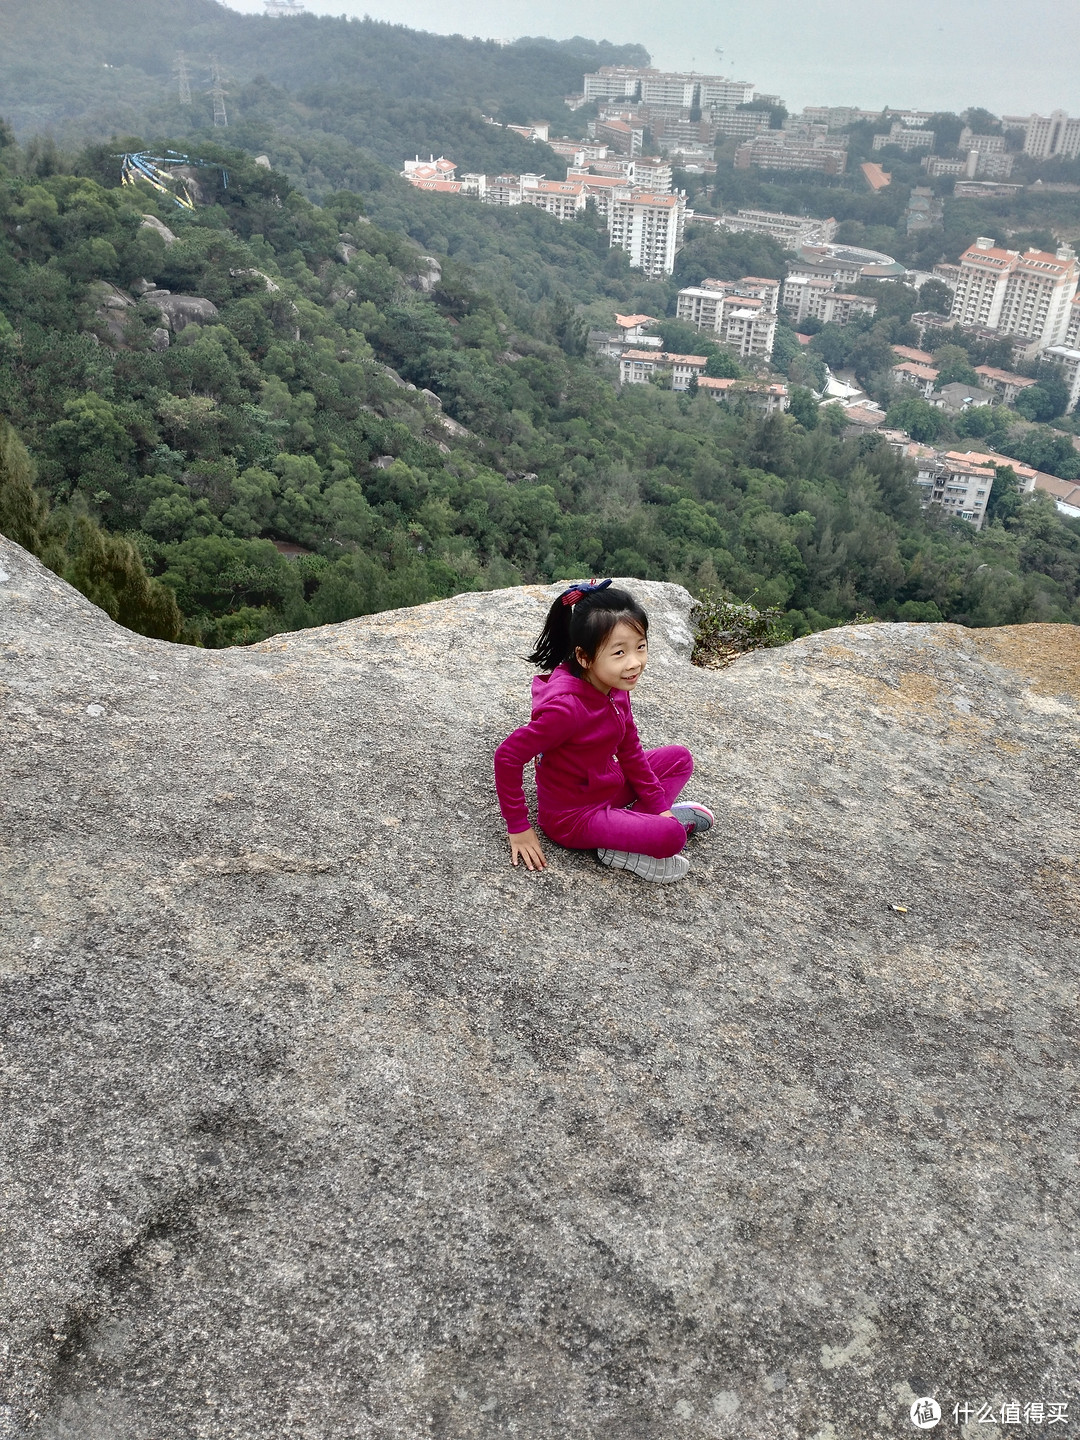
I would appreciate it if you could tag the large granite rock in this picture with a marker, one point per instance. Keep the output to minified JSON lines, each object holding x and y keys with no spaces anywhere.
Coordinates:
{"x":322,"y":1121}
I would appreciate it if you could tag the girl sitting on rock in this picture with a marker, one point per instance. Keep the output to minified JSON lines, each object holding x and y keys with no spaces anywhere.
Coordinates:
{"x":595,"y":786}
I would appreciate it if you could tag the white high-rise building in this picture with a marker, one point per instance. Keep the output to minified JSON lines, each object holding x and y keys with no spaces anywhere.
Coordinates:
{"x":1038,"y":296}
{"x":980,"y":286}
{"x":1050,"y":135}
{"x":1028,"y":295}
{"x":649,"y":228}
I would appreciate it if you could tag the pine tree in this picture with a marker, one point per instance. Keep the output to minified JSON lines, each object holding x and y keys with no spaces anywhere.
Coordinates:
{"x":106,"y":568}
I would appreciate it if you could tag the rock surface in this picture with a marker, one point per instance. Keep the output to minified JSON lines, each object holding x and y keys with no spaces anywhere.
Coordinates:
{"x":322,"y":1121}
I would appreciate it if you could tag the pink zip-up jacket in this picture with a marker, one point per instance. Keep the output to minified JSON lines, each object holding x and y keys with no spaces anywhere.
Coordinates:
{"x":589,"y":752}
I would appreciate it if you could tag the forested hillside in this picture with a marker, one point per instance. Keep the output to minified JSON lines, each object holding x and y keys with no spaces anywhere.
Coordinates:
{"x":79,"y":68}
{"x":286,"y":422}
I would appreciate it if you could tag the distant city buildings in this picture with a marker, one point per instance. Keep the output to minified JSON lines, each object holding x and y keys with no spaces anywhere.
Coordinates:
{"x":905,"y":137}
{"x":792,"y":231}
{"x":780,"y":150}
{"x":666,"y":88}
{"x":635,"y":197}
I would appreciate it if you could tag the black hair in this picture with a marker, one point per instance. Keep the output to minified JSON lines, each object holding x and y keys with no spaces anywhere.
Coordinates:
{"x":585,"y":626}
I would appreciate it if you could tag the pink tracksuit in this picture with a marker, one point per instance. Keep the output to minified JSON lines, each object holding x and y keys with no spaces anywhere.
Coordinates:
{"x":589,"y":768}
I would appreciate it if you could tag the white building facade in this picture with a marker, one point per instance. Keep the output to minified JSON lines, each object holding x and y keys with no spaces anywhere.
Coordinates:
{"x":649,"y":228}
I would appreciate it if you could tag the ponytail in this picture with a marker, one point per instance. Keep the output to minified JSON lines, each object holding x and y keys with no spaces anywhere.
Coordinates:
{"x":582,"y":618}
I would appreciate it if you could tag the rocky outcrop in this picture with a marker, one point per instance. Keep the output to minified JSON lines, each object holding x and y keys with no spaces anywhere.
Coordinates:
{"x":320,"y":1119}
{"x":428,"y":275}
{"x":151,"y":222}
{"x":180,"y":311}
{"x":113,"y":305}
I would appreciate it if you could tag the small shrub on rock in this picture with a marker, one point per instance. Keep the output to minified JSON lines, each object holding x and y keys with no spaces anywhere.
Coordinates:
{"x":725,"y":628}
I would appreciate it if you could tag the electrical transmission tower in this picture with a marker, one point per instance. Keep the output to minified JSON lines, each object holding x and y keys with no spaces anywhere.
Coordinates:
{"x":217,"y":90}
{"x":182,"y":80}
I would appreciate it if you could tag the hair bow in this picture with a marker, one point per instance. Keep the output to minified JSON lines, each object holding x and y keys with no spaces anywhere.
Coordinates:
{"x":583,"y":587}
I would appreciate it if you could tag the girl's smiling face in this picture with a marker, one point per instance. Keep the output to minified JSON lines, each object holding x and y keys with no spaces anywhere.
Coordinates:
{"x":618,"y":663}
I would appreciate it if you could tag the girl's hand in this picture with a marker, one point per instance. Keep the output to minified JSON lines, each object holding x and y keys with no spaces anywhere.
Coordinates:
{"x":526,"y":846}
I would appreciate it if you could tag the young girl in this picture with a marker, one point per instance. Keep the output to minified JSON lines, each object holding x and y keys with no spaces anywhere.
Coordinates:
{"x":595,"y":786}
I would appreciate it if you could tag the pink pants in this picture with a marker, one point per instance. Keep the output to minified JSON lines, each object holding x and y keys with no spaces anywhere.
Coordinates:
{"x":612,"y":826}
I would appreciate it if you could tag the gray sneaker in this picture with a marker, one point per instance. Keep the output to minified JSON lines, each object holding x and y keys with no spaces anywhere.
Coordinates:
{"x":646,"y":867}
{"x":692,"y":812}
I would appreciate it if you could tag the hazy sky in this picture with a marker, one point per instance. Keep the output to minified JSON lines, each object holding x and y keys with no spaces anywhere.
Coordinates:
{"x":929,"y":54}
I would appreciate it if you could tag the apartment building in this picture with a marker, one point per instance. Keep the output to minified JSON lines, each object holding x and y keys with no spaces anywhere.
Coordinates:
{"x":742,"y":314}
{"x":770,"y":397}
{"x":775,"y":150}
{"x":1038,"y":296}
{"x":739,"y":124}
{"x":1028,"y":295}
{"x":1072,"y":330}
{"x":649,"y":228}
{"x":1068,"y":360}
{"x":613,"y":82}
{"x":792,"y":231}
{"x":623,"y":136}
{"x":644,"y":171}
{"x":1053,"y":134}
{"x":637,"y":367}
{"x":562,"y":198}
{"x":905,"y":138}
{"x":818,"y":297}
{"x":962,"y":484}
{"x":671,"y":89}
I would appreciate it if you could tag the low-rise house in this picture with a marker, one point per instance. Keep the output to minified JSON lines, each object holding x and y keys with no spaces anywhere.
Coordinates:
{"x":1065,"y":494}
{"x":917,"y":357}
{"x":430,"y":169}
{"x":637,"y":367}
{"x":922,"y":378}
{"x":769,"y":397}
{"x":633,"y":326}
{"x":957,"y":397}
{"x":862,"y":417}
{"x":1005,"y":385}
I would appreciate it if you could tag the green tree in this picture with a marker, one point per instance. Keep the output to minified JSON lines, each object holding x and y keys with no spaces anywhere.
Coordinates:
{"x":922,"y":421}
{"x":1005,"y":497}
{"x":804,"y":407}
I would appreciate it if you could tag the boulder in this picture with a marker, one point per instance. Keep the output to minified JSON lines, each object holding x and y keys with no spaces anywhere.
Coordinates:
{"x":159,"y":339}
{"x":151,"y":222}
{"x":180,"y":311}
{"x":428,"y":274}
{"x":319,"y":1118}
{"x":112,"y":307}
